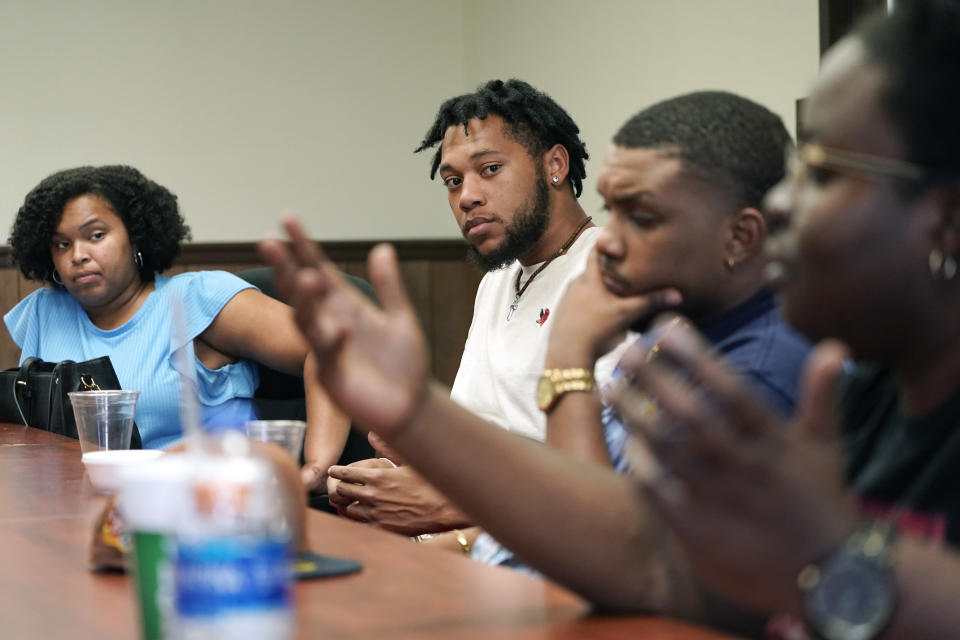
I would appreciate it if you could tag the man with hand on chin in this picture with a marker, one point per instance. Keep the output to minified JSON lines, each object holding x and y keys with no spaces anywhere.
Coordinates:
{"x":683,"y":181}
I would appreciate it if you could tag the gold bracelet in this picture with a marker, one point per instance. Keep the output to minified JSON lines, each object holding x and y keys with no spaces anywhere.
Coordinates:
{"x":462,"y":539}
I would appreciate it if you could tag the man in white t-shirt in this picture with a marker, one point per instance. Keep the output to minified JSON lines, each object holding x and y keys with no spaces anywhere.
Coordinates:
{"x":513,"y":166}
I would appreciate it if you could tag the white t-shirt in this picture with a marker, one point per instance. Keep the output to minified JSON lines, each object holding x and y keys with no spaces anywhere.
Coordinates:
{"x":503,"y":358}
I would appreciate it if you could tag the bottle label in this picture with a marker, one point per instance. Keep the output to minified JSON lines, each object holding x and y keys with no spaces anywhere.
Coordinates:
{"x":224,"y":576}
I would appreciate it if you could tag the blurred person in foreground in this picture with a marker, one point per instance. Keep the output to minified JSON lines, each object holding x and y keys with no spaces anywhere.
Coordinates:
{"x":860,"y":510}
{"x":743,"y":520}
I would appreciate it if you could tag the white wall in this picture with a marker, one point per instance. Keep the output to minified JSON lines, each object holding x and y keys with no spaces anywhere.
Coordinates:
{"x":604,"y":61}
{"x":244,"y":108}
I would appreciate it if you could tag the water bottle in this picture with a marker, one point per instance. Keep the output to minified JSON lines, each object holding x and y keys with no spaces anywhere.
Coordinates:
{"x":232,"y":572}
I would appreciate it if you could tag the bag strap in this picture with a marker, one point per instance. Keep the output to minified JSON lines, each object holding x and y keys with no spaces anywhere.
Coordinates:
{"x":85,"y":382}
{"x":22,"y":393}
{"x":66,"y":378}
{"x":57,"y":398}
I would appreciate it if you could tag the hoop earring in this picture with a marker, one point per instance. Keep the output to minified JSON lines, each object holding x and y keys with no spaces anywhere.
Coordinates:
{"x":935,"y":262}
{"x":138,"y":259}
{"x":949,"y":268}
{"x":56,"y":277}
{"x":942,"y":267}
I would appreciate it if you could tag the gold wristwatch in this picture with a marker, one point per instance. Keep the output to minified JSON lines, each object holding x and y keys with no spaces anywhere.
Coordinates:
{"x":556,"y":382}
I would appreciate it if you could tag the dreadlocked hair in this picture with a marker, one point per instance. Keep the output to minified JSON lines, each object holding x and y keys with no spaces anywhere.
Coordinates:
{"x":532,"y":118}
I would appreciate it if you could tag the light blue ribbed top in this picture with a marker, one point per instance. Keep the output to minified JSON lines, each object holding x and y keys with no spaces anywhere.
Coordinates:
{"x":50,"y":324}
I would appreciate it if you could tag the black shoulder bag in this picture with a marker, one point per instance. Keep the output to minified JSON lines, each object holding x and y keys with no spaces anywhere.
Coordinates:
{"x":35,"y":393}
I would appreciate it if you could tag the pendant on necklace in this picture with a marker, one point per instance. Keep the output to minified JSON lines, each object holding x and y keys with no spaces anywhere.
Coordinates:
{"x":513,"y":307}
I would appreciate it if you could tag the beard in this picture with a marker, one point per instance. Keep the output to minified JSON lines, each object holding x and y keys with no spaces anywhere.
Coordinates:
{"x":529,"y":223}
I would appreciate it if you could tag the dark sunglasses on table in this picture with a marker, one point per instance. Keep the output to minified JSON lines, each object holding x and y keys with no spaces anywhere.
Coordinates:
{"x":802,"y":161}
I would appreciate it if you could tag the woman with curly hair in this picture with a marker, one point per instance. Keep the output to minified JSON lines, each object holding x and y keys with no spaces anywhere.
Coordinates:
{"x":100,"y":237}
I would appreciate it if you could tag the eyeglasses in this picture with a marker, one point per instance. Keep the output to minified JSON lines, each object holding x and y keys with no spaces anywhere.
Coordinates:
{"x":800,"y":159}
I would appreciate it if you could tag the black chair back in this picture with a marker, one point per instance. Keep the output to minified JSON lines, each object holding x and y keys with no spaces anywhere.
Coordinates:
{"x":280,"y":395}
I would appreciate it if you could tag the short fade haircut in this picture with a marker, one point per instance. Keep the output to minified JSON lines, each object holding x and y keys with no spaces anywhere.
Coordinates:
{"x":917,"y":47}
{"x":727,"y":139}
{"x":532,"y":118}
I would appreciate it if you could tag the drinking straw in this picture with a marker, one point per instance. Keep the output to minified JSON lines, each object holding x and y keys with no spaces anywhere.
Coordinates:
{"x":189,"y":401}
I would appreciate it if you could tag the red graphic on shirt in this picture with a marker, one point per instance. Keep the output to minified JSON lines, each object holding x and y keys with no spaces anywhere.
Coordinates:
{"x":931,"y":527}
{"x":544,"y":314}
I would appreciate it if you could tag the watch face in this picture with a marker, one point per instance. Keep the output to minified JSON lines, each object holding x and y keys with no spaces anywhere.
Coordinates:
{"x":853,"y":600}
{"x":544,"y":393}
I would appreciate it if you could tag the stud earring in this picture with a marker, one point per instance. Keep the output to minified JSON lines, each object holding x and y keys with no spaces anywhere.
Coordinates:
{"x":731,"y":263}
{"x":556,"y":179}
{"x":138,"y":259}
{"x":55,"y":276}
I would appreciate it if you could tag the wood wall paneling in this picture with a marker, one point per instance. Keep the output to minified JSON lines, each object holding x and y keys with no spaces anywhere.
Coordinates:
{"x":440,"y":283}
{"x":453,"y":288}
{"x":9,"y":296}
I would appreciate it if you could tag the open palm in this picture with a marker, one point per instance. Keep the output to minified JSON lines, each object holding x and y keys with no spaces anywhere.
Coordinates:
{"x":372,"y":361}
{"x":750,"y":499}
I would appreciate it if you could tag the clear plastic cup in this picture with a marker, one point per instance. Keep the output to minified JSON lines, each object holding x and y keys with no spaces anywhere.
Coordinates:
{"x":104,"y":418}
{"x":286,"y":433}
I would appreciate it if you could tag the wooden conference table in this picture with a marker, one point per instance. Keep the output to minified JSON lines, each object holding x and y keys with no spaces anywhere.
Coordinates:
{"x":47,"y":507}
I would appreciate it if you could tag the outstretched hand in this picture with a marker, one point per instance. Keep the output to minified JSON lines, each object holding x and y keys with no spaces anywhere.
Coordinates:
{"x":372,"y":361}
{"x":750,"y":498}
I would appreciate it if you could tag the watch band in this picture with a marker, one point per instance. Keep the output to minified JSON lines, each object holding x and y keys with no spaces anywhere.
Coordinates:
{"x":554,"y":383}
{"x":562,"y":379}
